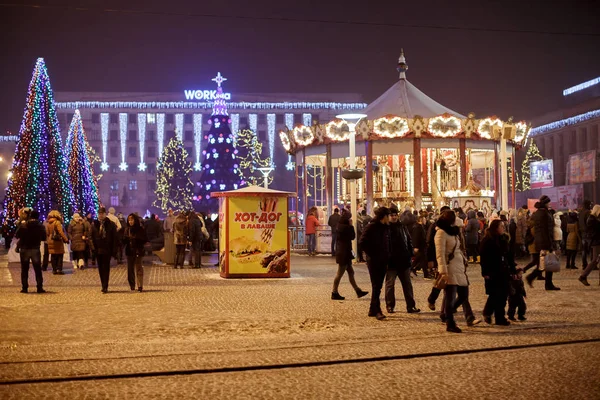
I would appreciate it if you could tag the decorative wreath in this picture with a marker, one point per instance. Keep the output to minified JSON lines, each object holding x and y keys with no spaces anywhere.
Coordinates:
{"x":486,"y":127}
{"x":337,"y":130}
{"x":444,"y":126}
{"x":391,"y":127}
{"x":303,"y":135}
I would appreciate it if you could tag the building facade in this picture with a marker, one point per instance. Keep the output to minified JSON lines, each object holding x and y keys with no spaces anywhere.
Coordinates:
{"x":128,"y":131}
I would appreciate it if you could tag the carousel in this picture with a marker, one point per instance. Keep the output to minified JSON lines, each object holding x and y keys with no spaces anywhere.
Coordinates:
{"x":407,"y":150}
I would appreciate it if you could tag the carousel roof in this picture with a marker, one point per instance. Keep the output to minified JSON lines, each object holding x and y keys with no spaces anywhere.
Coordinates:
{"x":404,"y":99}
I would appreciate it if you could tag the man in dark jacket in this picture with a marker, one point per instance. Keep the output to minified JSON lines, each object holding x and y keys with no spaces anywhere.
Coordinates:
{"x":399,"y":265}
{"x":333,"y":223}
{"x":472,"y":236}
{"x":154,"y":231}
{"x":419,"y":242}
{"x":196,"y":237}
{"x":104,"y":236}
{"x":543,"y":233}
{"x":31,"y":234}
{"x":376,"y":243}
{"x":584,"y":214}
{"x":363,"y":221}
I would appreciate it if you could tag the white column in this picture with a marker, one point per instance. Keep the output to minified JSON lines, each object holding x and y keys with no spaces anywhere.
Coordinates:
{"x":503,"y":173}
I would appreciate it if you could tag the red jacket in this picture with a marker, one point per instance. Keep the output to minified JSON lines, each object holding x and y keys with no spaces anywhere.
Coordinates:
{"x":311,"y":224}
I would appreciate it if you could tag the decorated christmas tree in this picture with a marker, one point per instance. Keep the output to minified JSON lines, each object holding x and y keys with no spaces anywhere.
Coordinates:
{"x":219,"y":171}
{"x":81,"y":174}
{"x":173,"y":184}
{"x":39,"y":177}
{"x":249,"y":158}
{"x":533,"y":154}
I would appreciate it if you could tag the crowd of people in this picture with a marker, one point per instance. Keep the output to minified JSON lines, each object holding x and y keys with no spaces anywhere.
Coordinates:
{"x":105,"y":238}
{"x":443,"y":244}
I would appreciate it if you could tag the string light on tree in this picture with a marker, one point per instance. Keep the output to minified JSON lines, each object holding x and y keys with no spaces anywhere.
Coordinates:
{"x":39,"y":171}
{"x":81,"y":174}
{"x":249,"y":158}
{"x":173,"y":185}
{"x":533,"y":154}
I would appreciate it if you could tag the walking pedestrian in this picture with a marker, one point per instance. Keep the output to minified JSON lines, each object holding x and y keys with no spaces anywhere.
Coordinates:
{"x":573,"y":240}
{"x":180,"y":237}
{"x":452,"y":266}
{"x":196,"y":237}
{"x":496,"y":265}
{"x":419,"y":242}
{"x":311,"y":231}
{"x":362,"y":222}
{"x":521,"y":232}
{"x":593,"y":234}
{"x":516,"y":297}
{"x":345,"y":235}
{"x":134,"y":239}
{"x":376,"y":242}
{"x":30,"y":236}
{"x":56,"y":238}
{"x":543,"y":235}
{"x":90,"y":252}
{"x":79,"y":234}
{"x":401,"y":250}
{"x":333,"y":221}
{"x":104,"y":236}
{"x":432,"y":260}
{"x":472,"y":236}
{"x":584,"y":214}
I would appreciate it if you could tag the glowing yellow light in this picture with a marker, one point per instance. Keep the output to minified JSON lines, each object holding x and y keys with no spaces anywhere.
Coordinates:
{"x":391,"y":127}
{"x":486,"y":125}
{"x":303,"y":135}
{"x":337,"y":130}
{"x":444,"y":126}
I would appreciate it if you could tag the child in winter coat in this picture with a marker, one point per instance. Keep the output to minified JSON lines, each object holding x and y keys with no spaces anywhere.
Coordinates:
{"x":573,"y":240}
{"x":516,"y":297}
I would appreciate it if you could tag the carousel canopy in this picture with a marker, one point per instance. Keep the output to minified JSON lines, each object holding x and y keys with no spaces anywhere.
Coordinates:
{"x":405,"y":100}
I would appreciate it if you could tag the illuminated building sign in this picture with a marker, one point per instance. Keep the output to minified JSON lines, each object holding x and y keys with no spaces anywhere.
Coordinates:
{"x":204,"y":95}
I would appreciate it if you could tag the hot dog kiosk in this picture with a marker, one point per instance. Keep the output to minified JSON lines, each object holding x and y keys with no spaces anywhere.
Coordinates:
{"x":253,"y":233}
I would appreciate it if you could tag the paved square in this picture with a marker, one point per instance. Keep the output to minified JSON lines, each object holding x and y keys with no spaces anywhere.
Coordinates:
{"x":193,"y":334}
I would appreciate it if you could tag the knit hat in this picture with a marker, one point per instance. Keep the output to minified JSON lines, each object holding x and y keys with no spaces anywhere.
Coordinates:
{"x":381,"y":213}
{"x":545,"y":199}
{"x":111,"y":210}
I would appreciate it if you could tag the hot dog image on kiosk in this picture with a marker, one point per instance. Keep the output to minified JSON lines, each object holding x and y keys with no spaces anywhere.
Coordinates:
{"x":253,"y":233}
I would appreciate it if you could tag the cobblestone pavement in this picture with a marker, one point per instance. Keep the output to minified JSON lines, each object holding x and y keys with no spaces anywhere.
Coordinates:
{"x":193,"y":334}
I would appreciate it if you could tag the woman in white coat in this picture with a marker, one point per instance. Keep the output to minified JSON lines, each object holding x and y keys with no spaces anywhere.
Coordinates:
{"x":451,"y":266}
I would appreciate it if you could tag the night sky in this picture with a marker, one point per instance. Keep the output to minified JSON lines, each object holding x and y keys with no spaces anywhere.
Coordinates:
{"x":278,"y":46}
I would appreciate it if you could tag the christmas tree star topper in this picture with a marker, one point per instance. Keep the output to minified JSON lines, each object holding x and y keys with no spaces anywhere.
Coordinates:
{"x":219,"y":79}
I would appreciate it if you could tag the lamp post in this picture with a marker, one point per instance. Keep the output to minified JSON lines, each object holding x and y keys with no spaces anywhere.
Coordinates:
{"x":352,"y":120}
{"x":265,"y":171}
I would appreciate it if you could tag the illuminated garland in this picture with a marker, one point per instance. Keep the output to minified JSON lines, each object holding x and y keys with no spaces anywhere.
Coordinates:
{"x":565,"y":122}
{"x":160,"y":132}
{"x":123,"y":138}
{"x":173,"y":184}
{"x":337,"y":130}
{"x":39,"y":171}
{"x":303,"y":135}
{"x":289,"y":123}
{"x":444,"y":126}
{"x":391,"y":127}
{"x":249,"y":158}
{"x":198,"y":141}
{"x":521,"y":133}
{"x":533,"y":154}
{"x":235,"y":125}
{"x":83,"y":182}
{"x":285,"y":140}
{"x":179,"y":126}
{"x":207,"y":105}
{"x":486,"y":126}
{"x":271,"y":135}
{"x":141,"y":122}
{"x":104,"y":119}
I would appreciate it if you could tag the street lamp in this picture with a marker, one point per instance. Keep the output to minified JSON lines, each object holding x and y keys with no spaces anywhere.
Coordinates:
{"x":265,"y":171}
{"x":351,"y":175}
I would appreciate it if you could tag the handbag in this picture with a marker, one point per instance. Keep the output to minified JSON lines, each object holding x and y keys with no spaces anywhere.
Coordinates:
{"x":440,"y":282}
{"x":56,"y":235}
{"x":550,"y":262}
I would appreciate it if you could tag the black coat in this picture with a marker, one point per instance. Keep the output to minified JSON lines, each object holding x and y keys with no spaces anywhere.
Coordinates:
{"x":31,"y":234}
{"x":497,"y":263}
{"x":105,"y":243}
{"x":419,"y":237}
{"x":343,"y":244}
{"x":593,"y":230}
{"x":401,"y":246}
{"x":375,"y":242}
{"x":543,"y":225}
{"x":134,"y":238}
{"x":333,"y":221}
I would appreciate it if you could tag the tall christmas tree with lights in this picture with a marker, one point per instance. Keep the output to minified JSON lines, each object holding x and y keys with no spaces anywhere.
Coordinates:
{"x":533,"y":154}
{"x":81,"y":174}
{"x":173,"y":184}
{"x":39,"y":172}
{"x":219,"y":171}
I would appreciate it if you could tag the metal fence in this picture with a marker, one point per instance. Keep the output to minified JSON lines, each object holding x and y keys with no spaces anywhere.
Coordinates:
{"x":297,"y":238}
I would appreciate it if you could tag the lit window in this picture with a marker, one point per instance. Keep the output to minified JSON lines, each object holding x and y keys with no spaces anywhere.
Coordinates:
{"x":114,"y":201}
{"x":151,"y":118}
{"x":132,"y":185}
